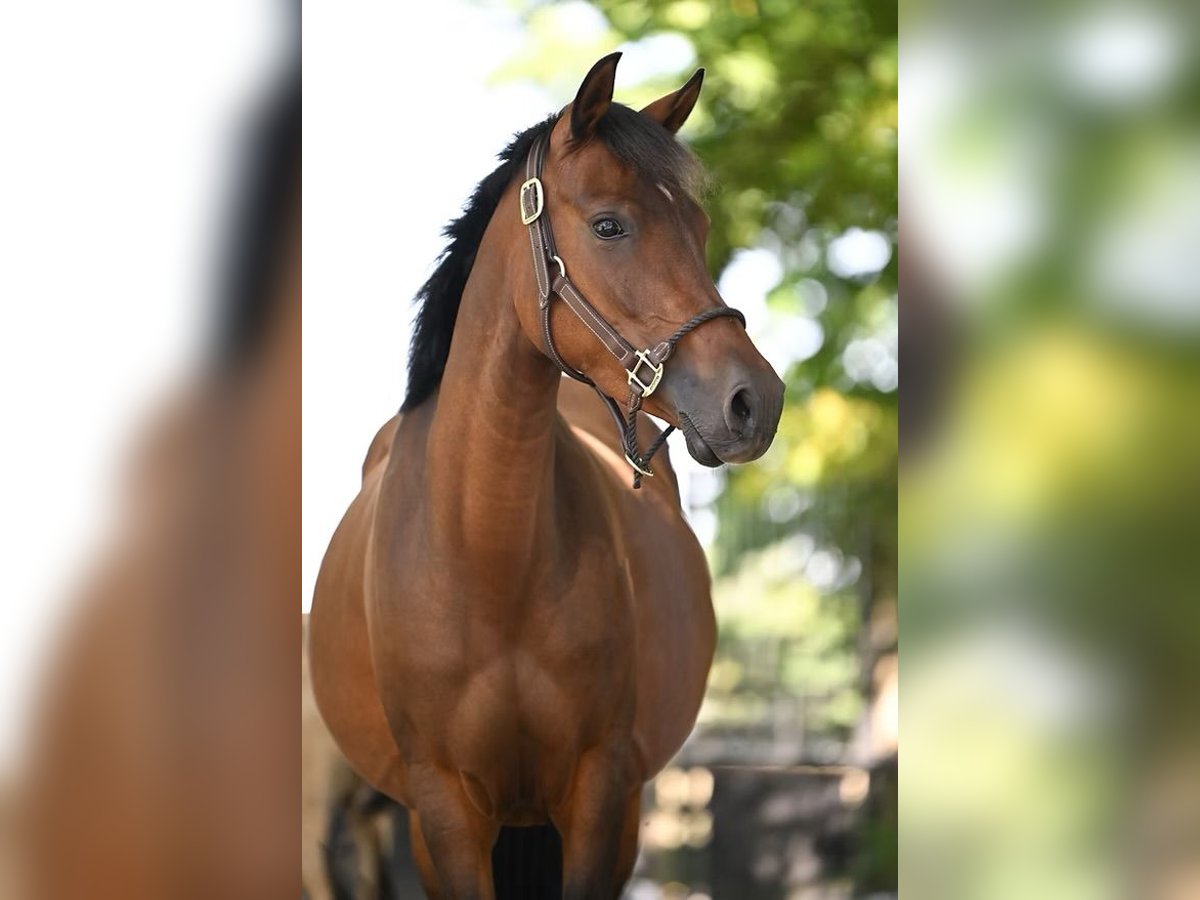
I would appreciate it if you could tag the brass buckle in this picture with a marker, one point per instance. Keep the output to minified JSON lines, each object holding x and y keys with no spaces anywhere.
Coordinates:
{"x":643,"y":357}
{"x":539,"y":199}
{"x":638,"y":468}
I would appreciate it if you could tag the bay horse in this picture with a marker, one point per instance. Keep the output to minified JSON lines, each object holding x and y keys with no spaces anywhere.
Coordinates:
{"x":505,"y":637}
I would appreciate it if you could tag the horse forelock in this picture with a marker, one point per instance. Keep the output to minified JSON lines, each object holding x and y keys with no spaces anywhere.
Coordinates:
{"x":651,"y":151}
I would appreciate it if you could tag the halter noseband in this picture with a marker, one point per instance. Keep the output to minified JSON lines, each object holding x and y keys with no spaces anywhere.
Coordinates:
{"x":643,"y":368}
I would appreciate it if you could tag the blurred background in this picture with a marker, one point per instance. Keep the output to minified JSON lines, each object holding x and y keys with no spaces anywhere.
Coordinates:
{"x":1049,"y":480}
{"x":149,"y":324}
{"x":118,"y":167}
{"x":787,"y":788}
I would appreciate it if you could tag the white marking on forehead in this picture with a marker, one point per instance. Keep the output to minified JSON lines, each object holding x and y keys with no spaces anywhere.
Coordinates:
{"x":665,"y":191}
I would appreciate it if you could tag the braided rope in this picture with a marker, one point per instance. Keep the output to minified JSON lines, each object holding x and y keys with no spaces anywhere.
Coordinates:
{"x":643,"y":462}
{"x":696,"y":321}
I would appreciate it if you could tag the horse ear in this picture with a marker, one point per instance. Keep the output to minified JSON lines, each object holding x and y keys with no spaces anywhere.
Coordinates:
{"x":672,"y":110}
{"x":594,"y":97}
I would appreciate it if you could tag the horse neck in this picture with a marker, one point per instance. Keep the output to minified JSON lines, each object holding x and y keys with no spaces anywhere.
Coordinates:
{"x":491,"y":445}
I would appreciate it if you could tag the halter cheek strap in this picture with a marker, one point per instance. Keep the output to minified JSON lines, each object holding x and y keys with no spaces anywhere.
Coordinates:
{"x":643,"y":368}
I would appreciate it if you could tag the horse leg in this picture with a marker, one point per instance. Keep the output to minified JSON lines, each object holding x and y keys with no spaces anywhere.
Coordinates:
{"x":452,"y":841}
{"x":599,"y":827}
{"x":628,"y":848}
{"x":420,"y":852}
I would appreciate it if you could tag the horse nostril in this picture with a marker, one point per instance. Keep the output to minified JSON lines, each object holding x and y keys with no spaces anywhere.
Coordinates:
{"x":739,"y":411}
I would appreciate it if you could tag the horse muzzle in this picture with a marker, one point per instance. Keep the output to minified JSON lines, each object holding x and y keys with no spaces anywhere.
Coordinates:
{"x":740,"y":427}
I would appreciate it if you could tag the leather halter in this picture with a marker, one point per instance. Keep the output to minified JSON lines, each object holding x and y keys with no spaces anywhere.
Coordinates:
{"x":643,"y":368}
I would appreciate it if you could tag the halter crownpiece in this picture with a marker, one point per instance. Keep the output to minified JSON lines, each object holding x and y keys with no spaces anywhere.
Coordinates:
{"x":643,"y":368}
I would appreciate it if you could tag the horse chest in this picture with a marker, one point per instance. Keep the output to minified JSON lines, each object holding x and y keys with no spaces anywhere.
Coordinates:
{"x":518,"y":675}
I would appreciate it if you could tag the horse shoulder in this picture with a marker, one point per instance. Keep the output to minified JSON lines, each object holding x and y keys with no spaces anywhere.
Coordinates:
{"x":342,"y":674}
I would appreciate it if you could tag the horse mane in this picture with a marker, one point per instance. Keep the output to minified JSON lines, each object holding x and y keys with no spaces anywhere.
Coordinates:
{"x":636,"y":140}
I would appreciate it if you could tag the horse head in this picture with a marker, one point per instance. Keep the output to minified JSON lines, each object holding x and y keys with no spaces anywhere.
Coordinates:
{"x":624,"y":197}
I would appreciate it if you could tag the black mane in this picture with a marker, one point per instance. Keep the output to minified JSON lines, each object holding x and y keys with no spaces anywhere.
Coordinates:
{"x":634,"y":139}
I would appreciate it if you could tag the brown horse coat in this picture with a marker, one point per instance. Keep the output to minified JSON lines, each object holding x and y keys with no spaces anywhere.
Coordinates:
{"x":503,"y":632}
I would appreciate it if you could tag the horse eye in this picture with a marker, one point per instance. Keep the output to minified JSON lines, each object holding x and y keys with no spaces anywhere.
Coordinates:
{"x":607,"y":229}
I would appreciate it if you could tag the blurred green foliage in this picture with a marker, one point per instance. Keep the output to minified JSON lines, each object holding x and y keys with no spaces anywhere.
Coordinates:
{"x":1050,"y":527}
